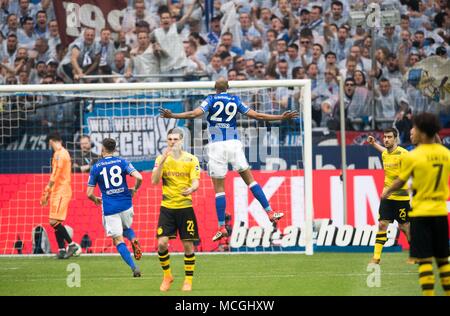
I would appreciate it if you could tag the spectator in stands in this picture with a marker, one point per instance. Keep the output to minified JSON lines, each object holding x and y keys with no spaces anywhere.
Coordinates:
{"x":138,"y":14}
{"x":107,"y":51}
{"x":41,"y":29}
{"x":11,"y":26}
{"x":53,"y":36}
{"x":389,"y":102}
{"x":260,"y":71}
{"x":227,"y":60}
{"x":121,"y":43}
{"x":337,"y":17}
{"x":355,"y":105}
{"x":82,"y":58}
{"x":215,"y":69}
{"x":194,"y":63}
{"x":145,"y":59}
{"x":26,"y":36}
{"x":83,"y":158}
{"x":264,"y":23}
{"x":248,"y":32}
{"x":315,"y":20}
{"x":293,"y":57}
{"x":392,"y":72}
{"x":203,"y":50}
{"x":360,"y":78}
{"x":330,"y":60}
{"x":9,"y":50}
{"x":340,"y":45}
{"x":227,"y":41}
{"x":173,"y":61}
{"x":362,"y":63}
{"x":389,"y":39}
{"x":120,"y":66}
{"x":42,"y":51}
{"x":213,"y":37}
{"x":316,"y":58}
{"x":232,"y":74}
{"x":37,"y":74}
{"x":250,"y":69}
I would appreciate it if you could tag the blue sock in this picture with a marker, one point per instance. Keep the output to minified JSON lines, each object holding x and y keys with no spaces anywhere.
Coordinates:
{"x":129,"y":234}
{"x":125,"y":254}
{"x":221,"y":204}
{"x":260,"y":196}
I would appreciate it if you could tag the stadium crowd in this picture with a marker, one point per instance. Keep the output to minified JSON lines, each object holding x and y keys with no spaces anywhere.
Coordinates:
{"x":243,"y":40}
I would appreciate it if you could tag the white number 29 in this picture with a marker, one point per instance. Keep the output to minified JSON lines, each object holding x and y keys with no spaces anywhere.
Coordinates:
{"x":230,"y":110}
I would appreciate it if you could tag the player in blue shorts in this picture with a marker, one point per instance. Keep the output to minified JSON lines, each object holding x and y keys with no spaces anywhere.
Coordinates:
{"x":225,"y":147}
{"x":110,"y":174}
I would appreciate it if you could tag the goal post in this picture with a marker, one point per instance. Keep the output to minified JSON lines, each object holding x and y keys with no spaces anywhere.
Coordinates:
{"x":112,"y":105}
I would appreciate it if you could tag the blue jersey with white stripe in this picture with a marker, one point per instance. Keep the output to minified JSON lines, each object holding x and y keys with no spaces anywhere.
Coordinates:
{"x":110,"y":173}
{"x":222,"y":110}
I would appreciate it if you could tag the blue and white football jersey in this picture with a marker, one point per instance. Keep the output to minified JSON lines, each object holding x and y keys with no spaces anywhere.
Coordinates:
{"x":222,"y":109}
{"x":110,"y":173}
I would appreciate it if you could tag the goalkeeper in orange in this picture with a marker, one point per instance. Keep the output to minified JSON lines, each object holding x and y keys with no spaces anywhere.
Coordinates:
{"x":59,"y":192}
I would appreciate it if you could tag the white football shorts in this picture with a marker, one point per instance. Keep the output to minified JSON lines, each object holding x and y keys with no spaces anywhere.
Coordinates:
{"x":222,"y":153}
{"x":116,"y":223}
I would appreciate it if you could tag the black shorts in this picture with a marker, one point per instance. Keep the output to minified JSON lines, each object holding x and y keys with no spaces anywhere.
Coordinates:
{"x":182,"y":220}
{"x":391,"y":210}
{"x":429,"y":237}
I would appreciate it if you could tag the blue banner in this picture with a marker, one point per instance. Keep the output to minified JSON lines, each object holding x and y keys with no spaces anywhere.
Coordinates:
{"x":135,"y":124}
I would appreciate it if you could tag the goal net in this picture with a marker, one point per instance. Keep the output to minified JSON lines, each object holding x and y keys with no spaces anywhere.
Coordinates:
{"x":279,"y":153}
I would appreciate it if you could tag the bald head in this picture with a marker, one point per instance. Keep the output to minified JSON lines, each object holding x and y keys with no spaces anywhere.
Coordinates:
{"x":221,"y":85}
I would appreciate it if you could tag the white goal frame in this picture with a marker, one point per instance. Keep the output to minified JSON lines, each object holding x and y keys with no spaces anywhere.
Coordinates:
{"x":306,"y":116}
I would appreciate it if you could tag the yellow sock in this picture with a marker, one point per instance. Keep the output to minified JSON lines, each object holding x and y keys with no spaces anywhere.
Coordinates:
{"x":379,"y":243}
{"x":164,"y":261}
{"x":444,"y":274}
{"x":189,"y":267}
{"x":426,"y":278}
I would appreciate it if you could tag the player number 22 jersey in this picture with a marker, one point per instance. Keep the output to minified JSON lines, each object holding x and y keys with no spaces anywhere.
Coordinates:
{"x":222,"y":109}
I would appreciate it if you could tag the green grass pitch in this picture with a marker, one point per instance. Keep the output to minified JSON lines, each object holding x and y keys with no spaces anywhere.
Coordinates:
{"x":247,"y":274}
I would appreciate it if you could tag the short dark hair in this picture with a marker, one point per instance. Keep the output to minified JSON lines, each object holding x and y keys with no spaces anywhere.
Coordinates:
{"x":427,"y":123}
{"x":391,"y":130}
{"x":54,"y":136}
{"x":109,"y":144}
{"x":338,"y":3}
{"x":176,"y":130}
{"x":330,"y":53}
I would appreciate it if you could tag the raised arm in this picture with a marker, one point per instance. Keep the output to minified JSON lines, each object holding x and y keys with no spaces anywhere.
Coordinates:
{"x":187,"y":15}
{"x":371,"y":140}
{"x":288,"y":115}
{"x":165,"y":113}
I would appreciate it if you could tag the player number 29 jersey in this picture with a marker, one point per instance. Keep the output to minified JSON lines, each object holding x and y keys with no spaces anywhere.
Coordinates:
{"x":222,"y":110}
{"x":110,"y":174}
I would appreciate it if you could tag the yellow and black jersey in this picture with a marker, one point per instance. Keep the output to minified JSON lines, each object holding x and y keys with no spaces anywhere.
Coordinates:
{"x":177,"y":175}
{"x":391,"y":164}
{"x":429,"y":166}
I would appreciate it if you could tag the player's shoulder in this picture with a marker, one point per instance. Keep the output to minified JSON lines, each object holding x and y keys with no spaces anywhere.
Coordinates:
{"x":402,"y":150}
{"x":64,"y":153}
{"x":189,"y":157}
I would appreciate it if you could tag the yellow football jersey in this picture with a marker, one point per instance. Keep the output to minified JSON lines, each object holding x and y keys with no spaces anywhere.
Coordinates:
{"x":391,"y":164}
{"x":429,"y":166}
{"x":177,"y":176}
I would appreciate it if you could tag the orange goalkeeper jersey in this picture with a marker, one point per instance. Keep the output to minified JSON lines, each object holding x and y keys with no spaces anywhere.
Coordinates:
{"x":61,"y":172}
